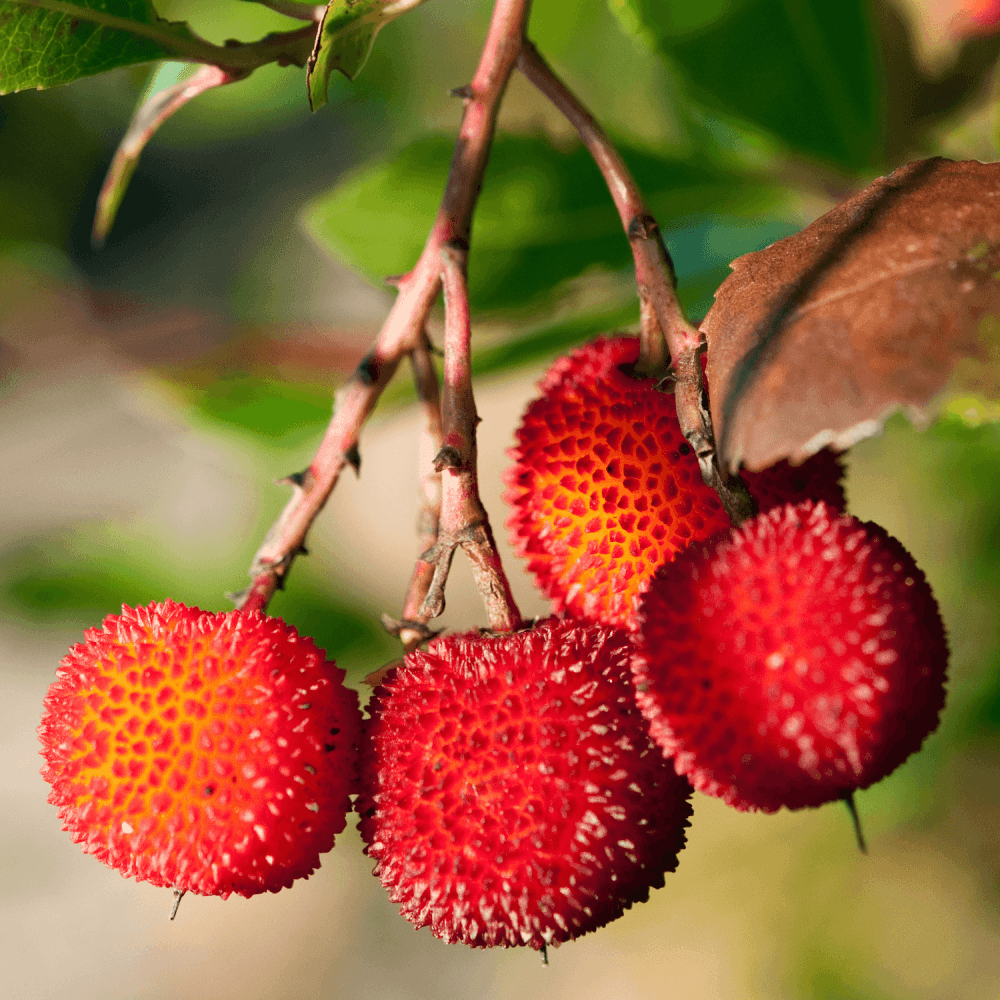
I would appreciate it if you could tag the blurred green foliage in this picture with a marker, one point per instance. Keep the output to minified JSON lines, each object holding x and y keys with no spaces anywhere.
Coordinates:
{"x":80,"y":577}
{"x":274,"y":412}
{"x":806,"y":72}
{"x":544,"y":216}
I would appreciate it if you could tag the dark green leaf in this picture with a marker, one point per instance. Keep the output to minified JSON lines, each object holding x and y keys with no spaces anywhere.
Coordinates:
{"x":544,"y":216}
{"x":345,"y":40}
{"x":44,"y":43}
{"x":805,"y":71}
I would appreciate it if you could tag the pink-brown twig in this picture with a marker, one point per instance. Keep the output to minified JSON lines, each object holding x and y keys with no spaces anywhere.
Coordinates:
{"x":464,"y":521}
{"x":413,"y":630}
{"x":404,"y":325}
{"x":666,"y":334}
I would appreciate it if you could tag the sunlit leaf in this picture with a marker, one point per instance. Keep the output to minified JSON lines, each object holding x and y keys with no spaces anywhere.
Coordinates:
{"x":885,"y":301}
{"x":44,"y":43}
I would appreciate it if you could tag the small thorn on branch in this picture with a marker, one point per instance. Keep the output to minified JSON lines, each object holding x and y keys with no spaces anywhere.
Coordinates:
{"x":432,"y":347}
{"x":465,"y":92}
{"x":395,"y":280}
{"x":368,"y":369}
{"x":353,"y":458}
{"x":296,"y":479}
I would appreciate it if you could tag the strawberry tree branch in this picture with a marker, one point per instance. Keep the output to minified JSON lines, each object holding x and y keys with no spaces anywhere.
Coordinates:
{"x":666,"y":334}
{"x":413,"y":630}
{"x":404,"y":326}
{"x":464,"y":521}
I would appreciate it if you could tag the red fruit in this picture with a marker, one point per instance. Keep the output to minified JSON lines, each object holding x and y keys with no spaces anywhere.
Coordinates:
{"x":791,"y":662}
{"x":214,"y":753}
{"x":509,"y":789}
{"x":604,"y":489}
{"x":600,"y":360}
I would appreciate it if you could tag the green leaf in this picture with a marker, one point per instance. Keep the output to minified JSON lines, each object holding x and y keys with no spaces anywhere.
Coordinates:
{"x":804,"y":70}
{"x":345,"y":40}
{"x":544,"y":216}
{"x":44,"y":43}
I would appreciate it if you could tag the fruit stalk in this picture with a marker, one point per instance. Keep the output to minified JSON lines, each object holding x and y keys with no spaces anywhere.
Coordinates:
{"x":404,"y":326}
{"x":665,"y":332}
{"x":412,"y":630}
{"x":663,"y":322}
{"x":464,"y":521}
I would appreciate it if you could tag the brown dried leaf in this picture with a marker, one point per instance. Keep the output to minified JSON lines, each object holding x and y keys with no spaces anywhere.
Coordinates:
{"x":877,"y":306}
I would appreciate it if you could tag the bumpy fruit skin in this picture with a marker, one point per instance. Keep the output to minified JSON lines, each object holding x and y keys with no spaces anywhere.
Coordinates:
{"x":604,"y":489}
{"x":792,"y":662}
{"x":214,"y":753}
{"x":510,"y":791}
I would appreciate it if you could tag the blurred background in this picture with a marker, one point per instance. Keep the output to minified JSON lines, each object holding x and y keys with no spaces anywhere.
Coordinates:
{"x":154,"y":391}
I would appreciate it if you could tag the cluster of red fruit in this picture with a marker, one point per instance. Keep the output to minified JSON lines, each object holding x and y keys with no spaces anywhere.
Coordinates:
{"x":523,"y":789}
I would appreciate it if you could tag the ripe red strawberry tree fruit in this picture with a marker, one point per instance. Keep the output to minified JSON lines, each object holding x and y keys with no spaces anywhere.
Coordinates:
{"x":723,"y":623}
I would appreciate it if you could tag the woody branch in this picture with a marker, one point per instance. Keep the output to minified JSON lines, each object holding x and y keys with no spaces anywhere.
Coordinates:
{"x":404,"y":325}
{"x":464,"y":521}
{"x":413,"y":630}
{"x":667,"y":337}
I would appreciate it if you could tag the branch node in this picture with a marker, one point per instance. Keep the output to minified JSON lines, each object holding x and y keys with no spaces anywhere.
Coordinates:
{"x":457,"y":245}
{"x":375,"y":678}
{"x":396,"y":625}
{"x":643,"y":227}
{"x":448,"y":457}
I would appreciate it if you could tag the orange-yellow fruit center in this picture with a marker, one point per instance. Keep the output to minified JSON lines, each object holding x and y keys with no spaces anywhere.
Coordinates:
{"x":606,"y":490}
